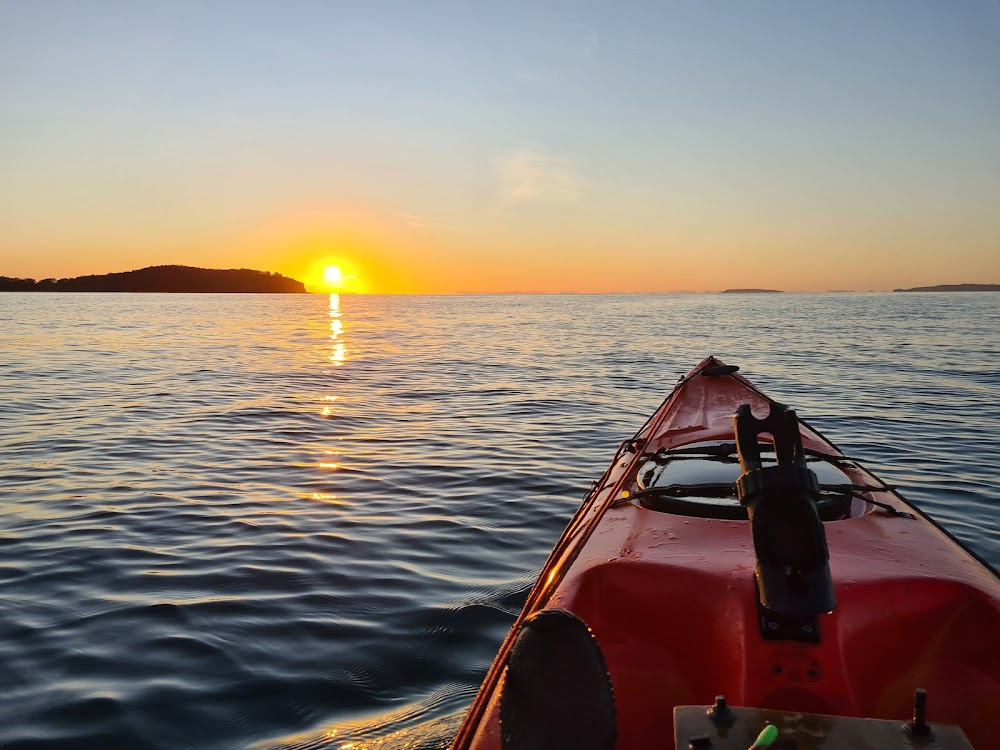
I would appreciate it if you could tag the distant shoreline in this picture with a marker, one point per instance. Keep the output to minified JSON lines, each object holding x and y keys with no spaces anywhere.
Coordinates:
{"x":165,"y":279}
{"x":752,"y":291}
{"x":953,"y":288}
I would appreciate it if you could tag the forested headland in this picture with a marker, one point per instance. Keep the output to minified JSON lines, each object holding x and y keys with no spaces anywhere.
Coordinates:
{"x":179,"y":279}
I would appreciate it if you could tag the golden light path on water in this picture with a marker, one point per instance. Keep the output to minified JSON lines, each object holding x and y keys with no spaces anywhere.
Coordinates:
{"x":405,"y":728}
{"x":338,"y":353}
{"x":337,"y":357}
{"x":396,"y":729}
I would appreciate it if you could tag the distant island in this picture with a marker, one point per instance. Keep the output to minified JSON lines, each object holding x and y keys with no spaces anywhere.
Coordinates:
{"x":752,"y":291}
{"x":954,"y":288}
{"x":177,"y":279}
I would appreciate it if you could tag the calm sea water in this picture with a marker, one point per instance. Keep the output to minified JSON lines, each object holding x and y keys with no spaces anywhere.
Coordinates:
{"x":301,"y":521}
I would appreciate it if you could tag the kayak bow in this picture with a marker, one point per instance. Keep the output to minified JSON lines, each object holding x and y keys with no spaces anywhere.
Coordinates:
{"x":731,"y":550}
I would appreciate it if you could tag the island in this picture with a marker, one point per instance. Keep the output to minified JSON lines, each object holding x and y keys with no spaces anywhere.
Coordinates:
{"x":954,"y":288}
{"x":174,"y":279}
{"x":752,"y":291}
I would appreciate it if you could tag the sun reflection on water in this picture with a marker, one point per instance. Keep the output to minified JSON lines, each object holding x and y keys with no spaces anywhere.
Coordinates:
{"x":327,"y":496}
{"x":338,"y":352}
{"x":328,"y":462}
{"x":328,"y":409}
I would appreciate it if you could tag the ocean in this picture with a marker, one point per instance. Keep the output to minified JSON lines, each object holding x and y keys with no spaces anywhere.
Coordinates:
{"x":306,"y":521}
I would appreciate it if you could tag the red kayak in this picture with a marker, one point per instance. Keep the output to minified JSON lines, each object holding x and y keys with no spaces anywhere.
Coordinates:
{"x":733,"y":579}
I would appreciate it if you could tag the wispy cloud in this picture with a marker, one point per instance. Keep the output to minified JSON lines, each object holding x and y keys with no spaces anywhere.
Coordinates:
{"x":533,"y":176}
{"x":417,"y":221}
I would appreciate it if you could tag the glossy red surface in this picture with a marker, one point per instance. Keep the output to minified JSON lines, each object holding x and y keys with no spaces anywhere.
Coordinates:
{"x":672,"y":603}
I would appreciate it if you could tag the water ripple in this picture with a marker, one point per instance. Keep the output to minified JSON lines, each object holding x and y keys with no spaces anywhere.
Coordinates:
{"x":228,"y":523}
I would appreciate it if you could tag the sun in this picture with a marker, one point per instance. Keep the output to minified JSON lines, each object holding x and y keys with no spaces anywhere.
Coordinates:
{"x":331,"y":274}
{"x":333,"y":277}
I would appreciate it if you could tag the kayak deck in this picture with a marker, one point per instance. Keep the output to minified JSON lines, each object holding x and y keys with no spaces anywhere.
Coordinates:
{"x":678,"y":627}
{"x":670,"y":596}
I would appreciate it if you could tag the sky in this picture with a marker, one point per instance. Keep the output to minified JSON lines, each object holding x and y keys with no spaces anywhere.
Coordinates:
{"x":549,"y":146}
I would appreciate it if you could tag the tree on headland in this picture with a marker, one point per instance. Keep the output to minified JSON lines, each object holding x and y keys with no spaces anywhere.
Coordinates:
{"x":10,"y":284}
{"x":183,"y":279}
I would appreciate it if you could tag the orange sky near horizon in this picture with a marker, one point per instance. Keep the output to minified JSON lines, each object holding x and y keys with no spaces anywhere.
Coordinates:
{"x":387,"y":253}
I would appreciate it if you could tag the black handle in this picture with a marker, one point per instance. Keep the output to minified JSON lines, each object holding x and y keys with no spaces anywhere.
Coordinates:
{"x":793,"y":562}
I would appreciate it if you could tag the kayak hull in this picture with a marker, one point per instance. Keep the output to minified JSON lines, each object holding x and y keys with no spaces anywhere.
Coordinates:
{"x":671,"y":598}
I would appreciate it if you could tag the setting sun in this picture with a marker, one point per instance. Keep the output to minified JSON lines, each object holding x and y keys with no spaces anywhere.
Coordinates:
{"x":326,"y":274}
{"x":333,"y":276}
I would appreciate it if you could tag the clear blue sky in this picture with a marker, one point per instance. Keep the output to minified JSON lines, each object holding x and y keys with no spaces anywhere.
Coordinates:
{"x":447,"y":146}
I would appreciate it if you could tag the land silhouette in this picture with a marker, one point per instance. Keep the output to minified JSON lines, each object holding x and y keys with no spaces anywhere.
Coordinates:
{"x":953,"y":288}
{"x":176,"y":279}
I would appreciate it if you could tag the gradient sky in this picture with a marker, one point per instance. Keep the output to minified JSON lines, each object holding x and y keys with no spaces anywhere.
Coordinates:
{"x":516,"y":146}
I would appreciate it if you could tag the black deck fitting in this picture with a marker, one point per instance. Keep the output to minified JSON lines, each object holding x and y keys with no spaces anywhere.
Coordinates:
{"x":721,"y":714}
{"x":918,"y":726}
{"x":793,"y":562}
